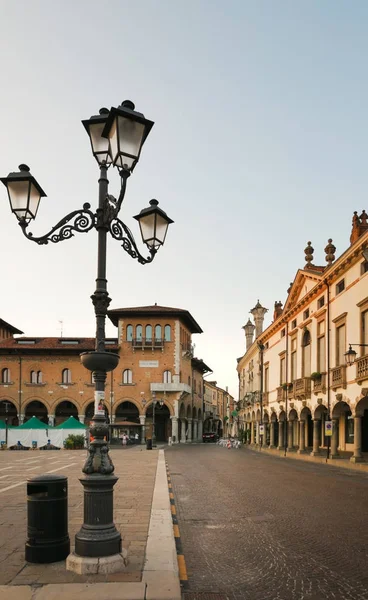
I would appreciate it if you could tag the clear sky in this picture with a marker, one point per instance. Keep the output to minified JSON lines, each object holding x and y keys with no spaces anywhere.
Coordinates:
{"x":259,"y":145}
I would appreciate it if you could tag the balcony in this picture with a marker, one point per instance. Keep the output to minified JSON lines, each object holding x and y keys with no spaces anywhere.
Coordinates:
{"x":338,"y":377}
{"x":171,"y":387}
{"x":362,"y":368}
{"x":319,"y":385}
{"x":302,"y":388}
{"x":148,"y":343}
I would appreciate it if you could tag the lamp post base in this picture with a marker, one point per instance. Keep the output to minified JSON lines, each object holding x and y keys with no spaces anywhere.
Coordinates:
{"x":83,"y":565}
{"x":98,"y":536}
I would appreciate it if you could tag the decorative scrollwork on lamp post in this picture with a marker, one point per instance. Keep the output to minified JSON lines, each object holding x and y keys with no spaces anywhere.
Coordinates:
{"x":117,"y":136}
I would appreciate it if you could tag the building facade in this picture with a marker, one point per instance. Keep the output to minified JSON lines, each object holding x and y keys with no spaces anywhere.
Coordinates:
{"x":296,"y":390}
{"x":219,"y":408}
{"x":157,"y":373}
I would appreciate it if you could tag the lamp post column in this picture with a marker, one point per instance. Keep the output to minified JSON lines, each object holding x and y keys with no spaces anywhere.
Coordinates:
{"x":98,"y":536}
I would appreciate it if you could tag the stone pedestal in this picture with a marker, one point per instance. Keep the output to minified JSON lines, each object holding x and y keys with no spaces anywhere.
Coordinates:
{"x":84,"y":565}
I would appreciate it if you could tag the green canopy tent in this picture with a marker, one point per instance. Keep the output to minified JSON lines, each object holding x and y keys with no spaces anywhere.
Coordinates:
{"x":71,"y":423}
{"x":33,"y":423}
{"x":3,"y":425}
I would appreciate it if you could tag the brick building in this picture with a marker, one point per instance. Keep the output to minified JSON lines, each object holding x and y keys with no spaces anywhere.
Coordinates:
{"x":44,"y":376}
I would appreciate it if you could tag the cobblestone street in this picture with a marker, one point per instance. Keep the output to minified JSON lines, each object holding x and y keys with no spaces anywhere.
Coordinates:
{"x":258,"y":527}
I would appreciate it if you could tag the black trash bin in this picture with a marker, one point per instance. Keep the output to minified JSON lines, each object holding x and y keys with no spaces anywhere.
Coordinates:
{"x":47,"y":507}
{"x":149,"y":444}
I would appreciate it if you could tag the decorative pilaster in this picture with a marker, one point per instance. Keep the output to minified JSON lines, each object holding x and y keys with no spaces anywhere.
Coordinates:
{"x":142,"y":420}
{"x":51,"y":419}
{"x":316,"y":426}
{"x":357,"y":456}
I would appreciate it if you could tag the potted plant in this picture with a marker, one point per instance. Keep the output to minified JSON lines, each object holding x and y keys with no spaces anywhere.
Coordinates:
{"x":316,"y":376}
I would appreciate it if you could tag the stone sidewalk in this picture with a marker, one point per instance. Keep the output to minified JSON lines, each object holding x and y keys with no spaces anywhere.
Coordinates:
{"x":141,"y":512}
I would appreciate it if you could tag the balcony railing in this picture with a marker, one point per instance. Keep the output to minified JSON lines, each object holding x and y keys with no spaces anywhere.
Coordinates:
{"x":362,"y":368}
{"x":302,"y":387}
{"x":319,"y":385}
{"x":147,"y":343}
{"x":338,"y":377}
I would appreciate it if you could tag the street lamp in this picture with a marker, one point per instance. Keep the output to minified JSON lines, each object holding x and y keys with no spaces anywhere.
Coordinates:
{"x":117,"y":136}
{"x":350,"y":355}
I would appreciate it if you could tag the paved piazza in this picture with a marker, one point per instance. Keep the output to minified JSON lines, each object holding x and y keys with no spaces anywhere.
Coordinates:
{"x":257,"y":527}
{"x":136,"y":469}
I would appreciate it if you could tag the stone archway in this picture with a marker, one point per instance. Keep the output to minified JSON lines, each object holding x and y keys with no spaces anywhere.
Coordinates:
{"x":267,"y":430}
{"x":306,"y":430}
{"x":292,"y":430}
{"x":64,"y":410}
{"x":8,"y":412}
{"x":38,"y":409}
{"x":182,"y":425}
{"x":342,"y":427}
{"x":282,"y":430}
{"x":361,"y":428}
{"x":274,"y":431}
{"x":162,"y":422}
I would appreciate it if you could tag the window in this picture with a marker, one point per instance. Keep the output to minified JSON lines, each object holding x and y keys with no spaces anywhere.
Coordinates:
{"x":283,"y":332}
{"x":321,"y":302}
{"x":194,"y":385}
{"x":138,"y":332}
{"x":158,"y":332}
{"x":167,"y":333}
{"x":340,"y":345}
{"x":364,"y":335}
{"x":293,"y":324}
{"x":127,"y":376}
{"x":340,"y":286}
{"x":293,"y":365}
{"x":364,"y":267}
{"x":282,"y":370}
{"x":265,"y":385}
{"x":167,"y":377}
{"x":66,"y":376}
{"x":306,"y":354}
{"x":5,"y":376}
{"x":36,"y":376}
{"x":306,"y":314}
{"x":129,"y":333}
{"x":149,"y":333}
{"x":321,"y":347}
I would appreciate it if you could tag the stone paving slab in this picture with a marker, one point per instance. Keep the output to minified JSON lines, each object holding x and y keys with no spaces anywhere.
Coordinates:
{"x":133,"y":493}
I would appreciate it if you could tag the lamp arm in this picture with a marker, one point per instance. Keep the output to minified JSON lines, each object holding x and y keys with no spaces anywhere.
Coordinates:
{"x":83,"y":221}
{"x":124,"y":174}
{"x":121,"y":232}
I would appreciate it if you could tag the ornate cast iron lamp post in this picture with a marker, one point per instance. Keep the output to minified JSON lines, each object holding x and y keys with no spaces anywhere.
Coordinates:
{"x":117,"y":136}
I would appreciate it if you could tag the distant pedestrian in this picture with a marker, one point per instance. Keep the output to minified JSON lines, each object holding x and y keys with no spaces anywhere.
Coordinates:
{"x":136,"y":437}
{"x":125,"y":439}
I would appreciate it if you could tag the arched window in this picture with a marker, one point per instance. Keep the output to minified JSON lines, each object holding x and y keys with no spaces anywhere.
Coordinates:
{"x":149,"y":333}
{"x":5,"y":376}
{"x":36,"y":376}
{"x":167,"y":333}
{"x":66,"y":376}
{"x":127,"y":376}
{"x":306,"y":354}
{"x":158,"y":332}
{"x":138,"y":332}
{"x":129,"y":333}
{"x":167,"y":377}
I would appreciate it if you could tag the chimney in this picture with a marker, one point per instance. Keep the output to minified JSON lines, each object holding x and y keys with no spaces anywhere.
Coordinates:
{"x":249,"y":330}
{"x":258,"y":313}
{"x":277,"y":310}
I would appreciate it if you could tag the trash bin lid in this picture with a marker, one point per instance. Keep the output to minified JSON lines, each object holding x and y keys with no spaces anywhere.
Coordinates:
{"x":49,"y":478}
